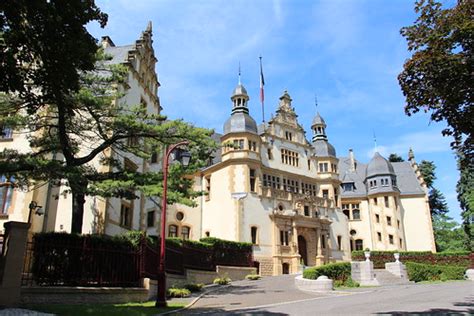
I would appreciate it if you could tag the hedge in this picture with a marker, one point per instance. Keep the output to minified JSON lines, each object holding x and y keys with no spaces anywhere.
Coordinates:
{"x":340,"y":271}
{"x":230,"y":252}
{"x":427,"y":272}
{"x":379,"y":258}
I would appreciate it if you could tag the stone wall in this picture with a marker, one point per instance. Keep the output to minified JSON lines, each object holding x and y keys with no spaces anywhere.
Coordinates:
{"x":235,"y":273}
{"x":266,"y":265}
{"x":81,"y":295}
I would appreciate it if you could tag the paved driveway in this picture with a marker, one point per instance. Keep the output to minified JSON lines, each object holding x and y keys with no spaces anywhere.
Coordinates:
{"x":279,"y":296}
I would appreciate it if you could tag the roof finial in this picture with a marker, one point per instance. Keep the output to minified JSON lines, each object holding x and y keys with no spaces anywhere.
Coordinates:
{"x":148,"y":27}
{"x":316,"y":101}
{"x":239,"y":74}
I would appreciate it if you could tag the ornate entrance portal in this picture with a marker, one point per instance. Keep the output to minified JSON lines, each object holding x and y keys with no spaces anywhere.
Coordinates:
{"x":302,"y":249}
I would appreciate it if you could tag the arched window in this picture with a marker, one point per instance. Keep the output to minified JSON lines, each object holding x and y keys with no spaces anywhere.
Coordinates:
{"x":172,"y":231}
{"x":346,"y":212}
{"x":356,"y":214}
{"x":185,"y":232}
{"x":6,"y":192}
{"x":359,"y":244}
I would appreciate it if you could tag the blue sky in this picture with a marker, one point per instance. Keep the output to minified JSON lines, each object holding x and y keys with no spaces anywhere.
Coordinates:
{"x":346,"y":52}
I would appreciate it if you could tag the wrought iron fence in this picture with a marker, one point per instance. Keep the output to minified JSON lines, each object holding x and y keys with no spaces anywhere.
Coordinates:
{"x":56,"y":264}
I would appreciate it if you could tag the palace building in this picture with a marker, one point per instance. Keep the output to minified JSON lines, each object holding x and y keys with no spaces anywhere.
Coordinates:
{"x":294,"y":199}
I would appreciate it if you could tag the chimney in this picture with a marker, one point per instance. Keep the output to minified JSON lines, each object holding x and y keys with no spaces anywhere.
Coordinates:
{"x":352,"y":161}
{"x":106,"y":42}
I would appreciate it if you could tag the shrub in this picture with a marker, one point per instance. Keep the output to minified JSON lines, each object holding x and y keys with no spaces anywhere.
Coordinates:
{"x":222,"y":281}
{"x":178,"y":292}
{"x":348,"y":283}
{"x":427,"y":272}
{"x":252,"y":277}
{"x":194,"y":287}
{"x":379,"y":258}
{"x":230,"y":252}
{"x":336,"y":271}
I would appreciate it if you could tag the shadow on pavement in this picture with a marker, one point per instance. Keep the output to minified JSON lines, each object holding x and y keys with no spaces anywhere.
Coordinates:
{"x":237,"y":290}
{"x":219,"y":311}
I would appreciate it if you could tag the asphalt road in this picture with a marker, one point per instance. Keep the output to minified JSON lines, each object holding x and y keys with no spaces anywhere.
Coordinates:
{"x":278,"y":296}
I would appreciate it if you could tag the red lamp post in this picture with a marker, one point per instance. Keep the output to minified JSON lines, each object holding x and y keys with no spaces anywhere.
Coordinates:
{"x":184,"y":158}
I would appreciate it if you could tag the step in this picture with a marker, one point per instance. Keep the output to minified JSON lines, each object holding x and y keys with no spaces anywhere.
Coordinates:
{"x":386,"y":278}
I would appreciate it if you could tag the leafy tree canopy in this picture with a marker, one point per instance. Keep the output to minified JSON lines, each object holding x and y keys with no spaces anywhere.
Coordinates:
{"x":81,"y":132}
{"x":395,"y":158}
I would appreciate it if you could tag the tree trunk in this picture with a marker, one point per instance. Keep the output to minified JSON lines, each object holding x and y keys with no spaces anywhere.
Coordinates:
{"x":78,"y":200}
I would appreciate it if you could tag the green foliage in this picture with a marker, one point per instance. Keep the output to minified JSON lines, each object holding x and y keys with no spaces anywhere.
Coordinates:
{"x":437,"y":79}
{"x":395,"y":158}
{"x":426,"y":272}
{"x":226,"y":243}
{"x":253,"y":277}
{"x":347,"y":283}
{"x":178,"y":292}
{"x":448,"y":235}
{"x":379,"y":258}
{"x":336,"y":271}
{"x":222,"y":280}
{"x":230,"y":252}
{"x":194,"y":287}
{"x":427,"y":170}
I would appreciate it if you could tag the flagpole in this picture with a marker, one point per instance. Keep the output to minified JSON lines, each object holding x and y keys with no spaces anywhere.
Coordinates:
{"x":262,"y":95}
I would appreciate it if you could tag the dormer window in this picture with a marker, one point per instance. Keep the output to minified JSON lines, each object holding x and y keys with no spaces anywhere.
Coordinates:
{"x":348,"y":187}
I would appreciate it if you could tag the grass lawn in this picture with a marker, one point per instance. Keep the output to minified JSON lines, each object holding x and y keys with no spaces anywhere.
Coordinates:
{"x":132,"y":309}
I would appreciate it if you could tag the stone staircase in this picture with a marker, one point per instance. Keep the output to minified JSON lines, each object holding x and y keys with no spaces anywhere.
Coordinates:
{"x":384,"y":277}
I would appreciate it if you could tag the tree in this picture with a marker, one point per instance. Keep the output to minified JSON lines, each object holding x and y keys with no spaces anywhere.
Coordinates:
{"x":438,"y":79}
{"x":436,"y":199}
{"x":448,"y":235}
{"x":465,"y":190}
{"x":395,"y":158}
{"x":77,"y":134}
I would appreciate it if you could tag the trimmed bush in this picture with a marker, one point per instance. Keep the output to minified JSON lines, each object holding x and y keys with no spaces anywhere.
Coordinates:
{"x":230,"y":252}
{"x":379,"y":258}
{"x":222,"y":281}
{"x":427,"y":272}
{"x":348,"y":283}
{"x":336,"y":271}
{"x":194,"y":287}
{"x":252,"y":277}
{"x":178,"y":292}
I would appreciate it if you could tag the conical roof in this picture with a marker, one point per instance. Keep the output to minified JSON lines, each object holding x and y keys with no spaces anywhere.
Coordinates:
{"x":379,"y":166}
{"x":318,"y":120}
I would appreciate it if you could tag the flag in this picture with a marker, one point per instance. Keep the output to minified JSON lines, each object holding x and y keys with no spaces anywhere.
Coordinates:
{"x":262,"y":82}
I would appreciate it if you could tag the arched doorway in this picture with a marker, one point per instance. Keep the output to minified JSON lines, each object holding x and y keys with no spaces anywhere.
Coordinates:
{"x":285,"y":267}
{"x":302,"y":249}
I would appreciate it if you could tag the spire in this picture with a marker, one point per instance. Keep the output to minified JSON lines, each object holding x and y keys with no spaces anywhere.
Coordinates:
{"x":375,"y":142}
{"x":240,"y":83}
{"x":319,"y":128}
{"x":148,"y":27}
{"x":316,"y":101}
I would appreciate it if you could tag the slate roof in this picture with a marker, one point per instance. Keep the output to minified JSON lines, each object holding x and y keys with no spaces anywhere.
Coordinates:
{"x":407,"y":181}
{"x":240,"y":122}
{"x":318,"y":120}
{"x":119,"y":53}
{"x":378,"y":165}
{"x":323,"y":148}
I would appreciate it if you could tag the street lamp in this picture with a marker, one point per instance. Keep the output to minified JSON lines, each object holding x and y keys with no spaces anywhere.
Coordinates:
{"x":34,"y":206}
{"x":183,"y":157}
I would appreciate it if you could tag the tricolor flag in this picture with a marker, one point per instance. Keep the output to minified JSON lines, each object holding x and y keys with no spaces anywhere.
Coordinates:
{"x":262,"y":82}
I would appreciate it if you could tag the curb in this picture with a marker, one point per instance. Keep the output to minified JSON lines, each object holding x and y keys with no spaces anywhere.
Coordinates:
{"x":208,"y":289}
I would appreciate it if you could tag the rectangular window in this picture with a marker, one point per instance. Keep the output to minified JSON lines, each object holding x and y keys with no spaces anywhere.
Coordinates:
{"x":252,"y":145}
{"x":289,"y":157}
{"x":375,"y":201}
{"x":398,"y":224}
{"x":401,"y":243}
{"x":390,"y":239}
{"x":323,"y":167}
{"x":359,"y":244}
{"x":6,"y":133}
{"x":271,"y":181}
{"x":288,"y":136}
{"x":306,"y":210}
{"x":377,"y":218}
{"x":326,"y":194}
{"x":385,"y":198}
{"x":323,"y":241}
{"x":154,"y":158}
{"x":389,"y":221}
{"x":253,"y":234}
{"x":339,"y":243}
{"x":207,"y":181}
{"x":336,"y":197}
{"x":309,"y":189}
{"x":269,"y":153}
{"x":284,"y":240}
{"x":309,"y":164}
{"x":150,"y":219}
{"x":356,"y":214}
{"x":126,"y":212}
{"x":379,"y":236}
{"x":252,"y":180}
